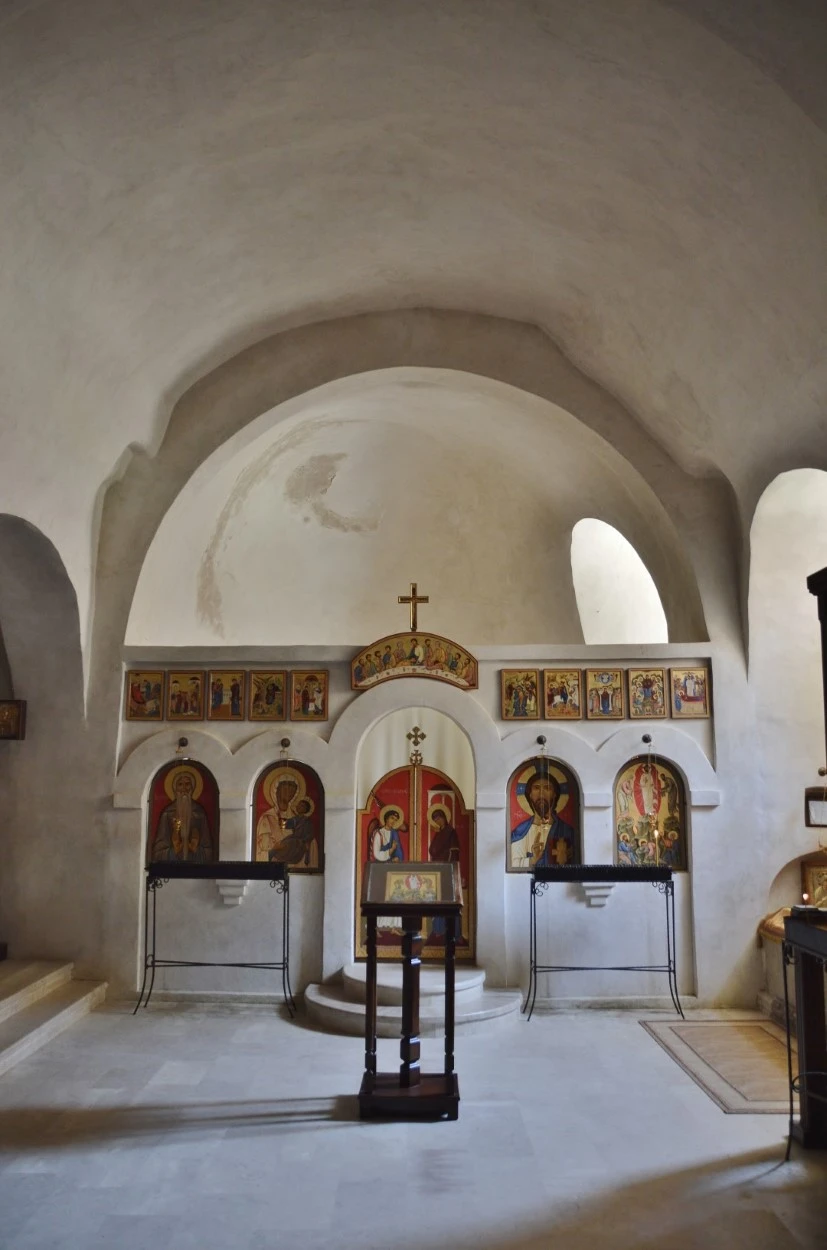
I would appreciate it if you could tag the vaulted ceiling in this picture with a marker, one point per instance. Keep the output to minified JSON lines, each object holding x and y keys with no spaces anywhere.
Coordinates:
{"x":646,"y":182}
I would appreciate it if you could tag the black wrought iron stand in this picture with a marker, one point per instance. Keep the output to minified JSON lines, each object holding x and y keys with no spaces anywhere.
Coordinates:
{"x":158,"y":875}
{"x":660,"y":878}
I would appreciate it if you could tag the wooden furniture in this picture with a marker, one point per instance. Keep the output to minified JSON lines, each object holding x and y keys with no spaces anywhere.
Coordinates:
{"x":805,"y":947}
{"x":817,"y":585}
{"x":159,"y":874}
{"x":410,"y":892}
{"x":660,"y":877}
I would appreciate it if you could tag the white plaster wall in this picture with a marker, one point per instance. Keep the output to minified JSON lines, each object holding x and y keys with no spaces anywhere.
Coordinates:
{"x":616,"y":597}
{"x":789,"y":541}
{"x":168,"y":221}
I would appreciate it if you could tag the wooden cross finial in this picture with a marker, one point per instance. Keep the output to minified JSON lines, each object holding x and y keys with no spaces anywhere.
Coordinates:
{"x":413,"y":599}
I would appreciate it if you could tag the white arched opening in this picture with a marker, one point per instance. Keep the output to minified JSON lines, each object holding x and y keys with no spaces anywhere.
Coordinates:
{"x":617,"y":598}
{"x":788,"y":541}
{"x":386,"y":746}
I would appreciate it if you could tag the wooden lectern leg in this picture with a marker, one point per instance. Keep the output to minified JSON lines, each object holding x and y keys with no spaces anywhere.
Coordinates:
{"x":450,"y":954}
{"x":411,"y":960}
{"x":370,"y":1000}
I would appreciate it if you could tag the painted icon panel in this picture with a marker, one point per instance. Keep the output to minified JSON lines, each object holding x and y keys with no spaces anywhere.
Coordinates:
{"x":543,"y":816}
{"x":308,"y":694}
{"x":647,"y":693}
{"x":563,"y":693}
{"x":226,"y":687}
{"x":520,"y":693}
{"x":266,"y":693}
{"x":183,"y":815}
{"x":650,"y":815}
{"x":185,"y":695}
{"x":690,"y":691}
{"x":413,"y":655}
{"x":288,"y":817}
{"x":144,"y":694}
{"x":604,"y":694}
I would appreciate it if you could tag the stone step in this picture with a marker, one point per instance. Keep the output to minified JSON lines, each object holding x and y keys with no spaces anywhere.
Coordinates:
{"x":469,"y":983}
{"x":328,"y":1007}
{"x":24,"y":981}
{"x":36,"y":1024}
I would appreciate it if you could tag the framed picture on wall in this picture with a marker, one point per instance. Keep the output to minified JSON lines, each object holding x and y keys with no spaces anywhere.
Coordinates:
{"x":563,"y":693}
{"x":266,"y":694}
{"x":647,"y":693}
{"x":689,"y":688}
{"x":185,"y":695}
{"x":520,"y":693}
{"x":144,"y":697}
{"x":226,"y":694}
{"x":308,"y":694}
{"x":604,"y":694}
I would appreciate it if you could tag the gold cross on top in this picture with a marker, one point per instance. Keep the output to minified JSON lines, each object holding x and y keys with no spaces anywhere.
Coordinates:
{"x":416,"y":735}
{"x":413,"y":599}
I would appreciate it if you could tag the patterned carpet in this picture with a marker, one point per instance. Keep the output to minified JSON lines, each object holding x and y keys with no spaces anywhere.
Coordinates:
{"x":740,"y":1064}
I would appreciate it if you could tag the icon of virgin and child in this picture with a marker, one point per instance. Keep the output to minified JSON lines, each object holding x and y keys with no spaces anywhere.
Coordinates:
{"x":286,"y":832}
{"x":543,"y":839}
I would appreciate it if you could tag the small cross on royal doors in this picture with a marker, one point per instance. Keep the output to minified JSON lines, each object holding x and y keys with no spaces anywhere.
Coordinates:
{"x":416,"y":736}
{"x":414,"y":600}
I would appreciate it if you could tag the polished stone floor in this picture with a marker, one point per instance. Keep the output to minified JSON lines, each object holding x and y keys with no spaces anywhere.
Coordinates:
{"x":188,"y":1129}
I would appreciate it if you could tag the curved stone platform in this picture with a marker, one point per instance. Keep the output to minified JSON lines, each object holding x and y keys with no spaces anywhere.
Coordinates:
{"x":340,"y":1007}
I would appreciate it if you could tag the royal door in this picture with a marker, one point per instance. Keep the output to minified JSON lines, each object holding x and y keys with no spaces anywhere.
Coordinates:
{"x":416,"y":813}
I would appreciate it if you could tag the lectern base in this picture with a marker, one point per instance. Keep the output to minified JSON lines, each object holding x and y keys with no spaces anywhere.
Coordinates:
{"x":435,"y":1095}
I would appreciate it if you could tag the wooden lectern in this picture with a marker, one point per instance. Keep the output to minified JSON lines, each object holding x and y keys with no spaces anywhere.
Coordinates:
{"x":410,"y":892}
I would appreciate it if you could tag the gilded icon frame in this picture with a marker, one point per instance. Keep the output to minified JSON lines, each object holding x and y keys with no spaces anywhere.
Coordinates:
{"x":694,"y":706}
{"x":609,"y":686}
{"x":300,"y":686}
{"x":520,"y":693}
{"x":185,"y":700}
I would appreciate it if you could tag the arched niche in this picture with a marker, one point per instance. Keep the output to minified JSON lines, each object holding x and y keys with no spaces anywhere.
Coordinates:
{"x":650,"y":814}
{"x":41,"y":662}
{"x":312,"y":476}
{"x":183,"y":814}
{"x":543,"y":815}
{"x":617,"y":598}
{"x":288,"y":816}
{"x":788,"y":541}
{"x":386,"y":746}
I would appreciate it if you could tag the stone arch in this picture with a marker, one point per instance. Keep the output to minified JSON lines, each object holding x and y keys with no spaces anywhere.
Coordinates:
{"x":674,"y":746}
{"x":40,"y":627}
{"x":219,"y":405}
{"x":788,"y":540}
{"x":135,"y":776}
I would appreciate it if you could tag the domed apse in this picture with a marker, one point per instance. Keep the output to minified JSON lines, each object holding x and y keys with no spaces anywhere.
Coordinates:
{"x":306,"y":527}
{"x":617,"y":598}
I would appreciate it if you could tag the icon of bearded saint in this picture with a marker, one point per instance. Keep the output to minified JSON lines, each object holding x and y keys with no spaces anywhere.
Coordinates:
{"x":183,"y":833}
